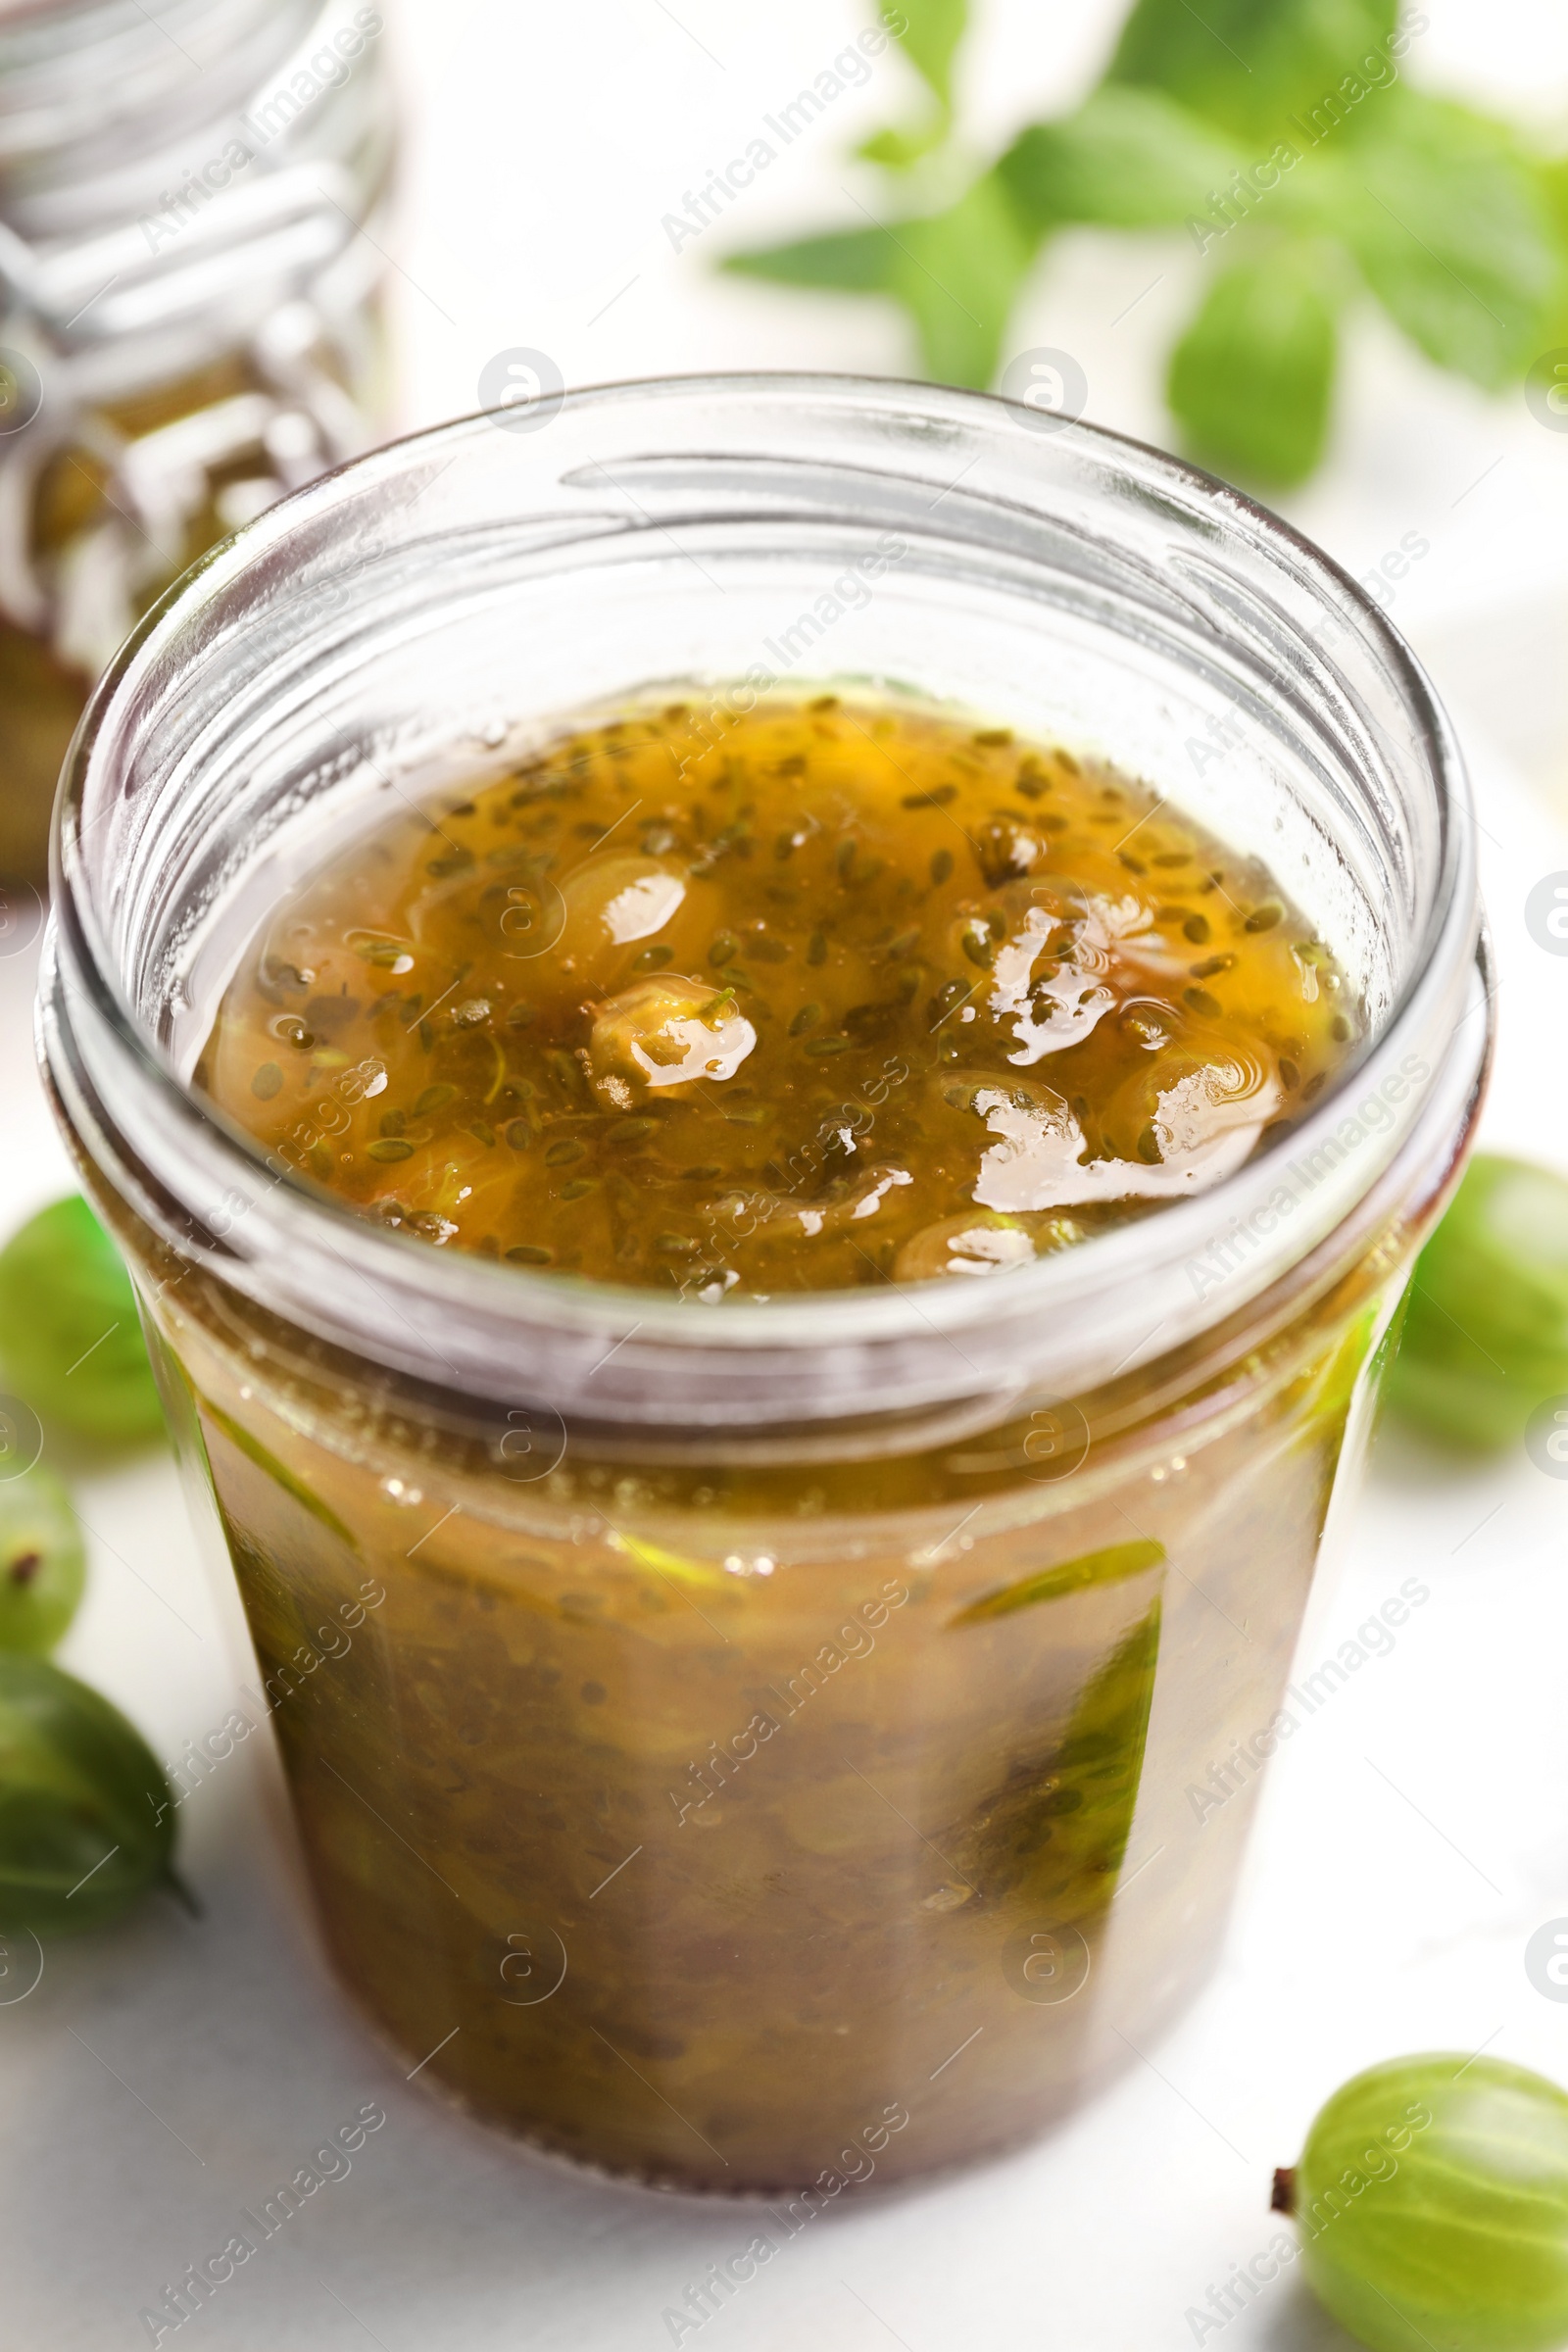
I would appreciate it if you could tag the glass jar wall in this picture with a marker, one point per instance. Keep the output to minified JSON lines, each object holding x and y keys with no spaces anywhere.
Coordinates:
{"x":756,"y":1745}
{"x":714,"y":1822}
{"x":187,"y":317}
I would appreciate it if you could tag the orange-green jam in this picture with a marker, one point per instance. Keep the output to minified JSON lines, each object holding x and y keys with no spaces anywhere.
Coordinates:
{"x":822,"y":995}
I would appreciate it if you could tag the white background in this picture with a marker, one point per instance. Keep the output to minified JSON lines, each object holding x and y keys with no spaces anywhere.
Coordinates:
{"x":1412,"y":1835}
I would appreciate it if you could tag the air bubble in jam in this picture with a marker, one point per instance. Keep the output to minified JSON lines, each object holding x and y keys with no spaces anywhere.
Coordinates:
{"x":830,"y":994}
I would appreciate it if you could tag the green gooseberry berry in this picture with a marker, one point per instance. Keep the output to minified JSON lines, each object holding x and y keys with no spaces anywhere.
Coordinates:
{"x":86,"y":1815}
{"x":44,"y":1562}
{"x":1486,"y":1328}
{"x":1432,"y":2198}
{"x":70,"y":1339}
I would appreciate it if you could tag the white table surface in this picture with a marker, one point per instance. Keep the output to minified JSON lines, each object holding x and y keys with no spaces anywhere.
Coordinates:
{"x":1411,"y":1837}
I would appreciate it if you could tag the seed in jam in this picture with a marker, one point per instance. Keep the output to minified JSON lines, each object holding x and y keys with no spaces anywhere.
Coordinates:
{"x":833,"y":992}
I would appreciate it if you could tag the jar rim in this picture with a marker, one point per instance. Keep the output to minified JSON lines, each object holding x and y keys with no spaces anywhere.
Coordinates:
{"x":508,"y":1331}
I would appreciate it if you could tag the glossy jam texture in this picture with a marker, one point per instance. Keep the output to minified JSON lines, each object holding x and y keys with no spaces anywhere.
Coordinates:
{"x":824,"y":994}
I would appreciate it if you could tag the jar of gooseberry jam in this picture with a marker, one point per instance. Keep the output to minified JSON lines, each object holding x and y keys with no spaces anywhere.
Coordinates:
{"x":189,"y":271}
{"x":758,"y":1744}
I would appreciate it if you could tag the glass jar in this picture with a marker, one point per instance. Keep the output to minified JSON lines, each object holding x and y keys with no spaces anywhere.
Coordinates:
{"x":758,"y":1746}
{"x":188,"y":273}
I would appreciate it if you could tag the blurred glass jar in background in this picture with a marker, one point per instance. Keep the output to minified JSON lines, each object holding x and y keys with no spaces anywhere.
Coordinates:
{"x":189,"y":267}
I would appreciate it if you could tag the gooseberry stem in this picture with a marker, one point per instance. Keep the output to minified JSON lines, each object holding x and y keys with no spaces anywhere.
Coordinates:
{"x":1283,"y":2199}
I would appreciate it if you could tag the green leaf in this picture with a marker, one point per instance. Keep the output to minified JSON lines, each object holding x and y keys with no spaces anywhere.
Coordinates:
{"x":1452,"y":231}
{"x":271,"y":1467}
{"x":1251,"y":64}
{"x":896,"y":150}
{"x":1552,"y":180}
{"x":1110,"y":1566}
{"x":1129,"y":157}
{"x":1250,"y":380}
{"x":954,"y":273}
{"x":957,"y":275}
{"x":931,"y":32}
{"x":854,"y":261}
{"x":1049,"y":1843}
{"x":707,"y":1574}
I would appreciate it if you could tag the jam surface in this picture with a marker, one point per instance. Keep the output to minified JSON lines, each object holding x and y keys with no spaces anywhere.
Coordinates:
{"x":829,"y":994}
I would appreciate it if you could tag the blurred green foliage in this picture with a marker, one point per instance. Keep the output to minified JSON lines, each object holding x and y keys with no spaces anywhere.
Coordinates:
{"x":1283,"y":140}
